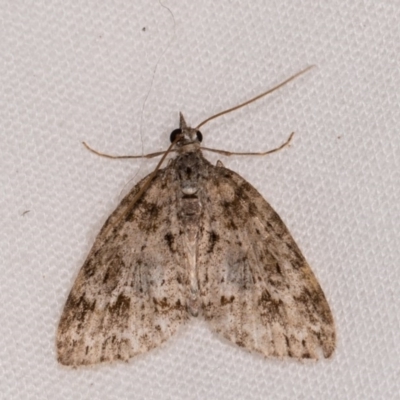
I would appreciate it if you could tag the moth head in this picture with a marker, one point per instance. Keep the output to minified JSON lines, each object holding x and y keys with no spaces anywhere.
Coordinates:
{"x":185,"y":135}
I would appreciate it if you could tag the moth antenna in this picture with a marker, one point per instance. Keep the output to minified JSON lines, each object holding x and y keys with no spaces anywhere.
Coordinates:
{"x":150,"y":155}
{"x":261,"y":153}
{"x":257,"y":97}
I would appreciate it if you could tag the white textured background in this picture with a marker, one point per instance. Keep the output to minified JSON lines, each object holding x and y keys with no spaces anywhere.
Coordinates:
{"x":81,"y":70}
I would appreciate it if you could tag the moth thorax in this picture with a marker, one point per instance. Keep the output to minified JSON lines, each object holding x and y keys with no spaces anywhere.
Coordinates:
{"x":189,"y":188}
{"x":189,"y":148}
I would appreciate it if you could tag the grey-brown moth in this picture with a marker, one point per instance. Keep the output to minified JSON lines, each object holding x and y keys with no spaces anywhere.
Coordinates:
{"x":194,"y":239}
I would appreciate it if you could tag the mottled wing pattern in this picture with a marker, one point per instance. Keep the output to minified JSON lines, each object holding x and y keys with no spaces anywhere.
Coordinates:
{"x":130,"y":295}
{"x":257,"y":289}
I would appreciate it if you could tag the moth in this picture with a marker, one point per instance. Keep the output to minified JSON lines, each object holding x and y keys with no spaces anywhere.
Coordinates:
{"x":194,"y":239}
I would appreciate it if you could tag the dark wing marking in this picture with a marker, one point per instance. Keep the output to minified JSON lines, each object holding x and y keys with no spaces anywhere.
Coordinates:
{"x":257,"y":288}
{"x":130,"y":295}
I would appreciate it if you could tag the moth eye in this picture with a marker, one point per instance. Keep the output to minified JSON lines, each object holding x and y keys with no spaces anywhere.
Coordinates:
{"x":174,"y":134}
{"x":199,"y":136}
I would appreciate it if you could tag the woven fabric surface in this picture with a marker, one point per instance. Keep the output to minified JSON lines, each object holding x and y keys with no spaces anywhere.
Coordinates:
{"x":116,"y":75}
